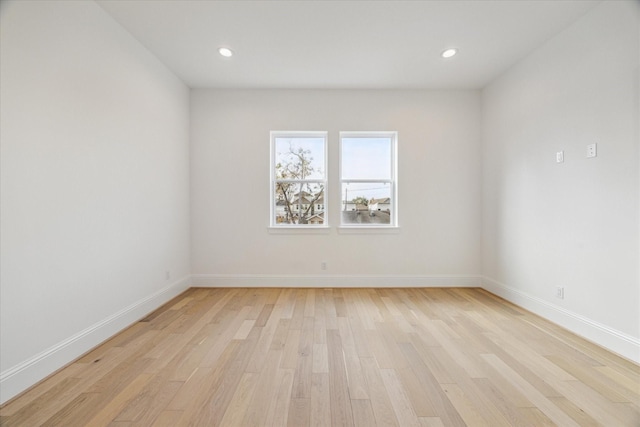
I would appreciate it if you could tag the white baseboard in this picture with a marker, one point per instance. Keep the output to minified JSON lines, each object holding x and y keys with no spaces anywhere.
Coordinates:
{"x":609,"y":338}
{"x":331,"y":281}
{"x":24,"y":375}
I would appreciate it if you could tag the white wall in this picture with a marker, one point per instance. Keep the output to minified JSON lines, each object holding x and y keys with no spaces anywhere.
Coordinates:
{"x":439,"y":189}
{"x":94,"y":184}
{"x":573,"y":224}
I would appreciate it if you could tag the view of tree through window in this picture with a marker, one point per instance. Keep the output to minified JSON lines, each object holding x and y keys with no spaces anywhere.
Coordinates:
{"x":299,"y":178}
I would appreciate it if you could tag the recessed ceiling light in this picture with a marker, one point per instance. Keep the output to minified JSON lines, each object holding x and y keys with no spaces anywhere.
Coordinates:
{"x":449,"y":53}
{"x":226,"y":52}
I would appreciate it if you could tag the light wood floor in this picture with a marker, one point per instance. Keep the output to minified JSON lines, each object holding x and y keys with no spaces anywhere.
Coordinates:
{"x":341,"y":357}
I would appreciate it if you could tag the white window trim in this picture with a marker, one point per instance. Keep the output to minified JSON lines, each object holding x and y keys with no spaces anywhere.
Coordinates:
{"x":393,"y":135}
{"x":273,"y":226}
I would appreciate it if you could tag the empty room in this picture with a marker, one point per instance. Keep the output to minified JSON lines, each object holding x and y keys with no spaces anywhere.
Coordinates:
{"x":327,"y":213}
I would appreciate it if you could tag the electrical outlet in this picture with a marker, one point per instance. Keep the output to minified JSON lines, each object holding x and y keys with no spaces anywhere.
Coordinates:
{"x":592,"y":150}
{"x":323,"y":265}
{"x":560,"y":292}
{"x":560,"y":157}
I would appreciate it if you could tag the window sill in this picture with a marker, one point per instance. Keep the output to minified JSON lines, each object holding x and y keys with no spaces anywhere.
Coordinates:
{"x":345,"y":229}
{"x":325,"y":229}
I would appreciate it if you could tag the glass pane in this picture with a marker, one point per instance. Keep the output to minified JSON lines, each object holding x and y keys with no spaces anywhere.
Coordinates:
{"x":366,"y":158}
{"x":366,"y":203}
{"x":299,"y":158}
{"x":299,"y":204}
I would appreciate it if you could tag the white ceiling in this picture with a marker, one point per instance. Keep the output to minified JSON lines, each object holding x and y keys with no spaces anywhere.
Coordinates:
{"x":342,"y":44}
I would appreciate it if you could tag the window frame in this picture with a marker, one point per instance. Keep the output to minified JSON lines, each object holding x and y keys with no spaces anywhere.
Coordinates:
{"x":273,"y":181}
{"x":392,"y":181}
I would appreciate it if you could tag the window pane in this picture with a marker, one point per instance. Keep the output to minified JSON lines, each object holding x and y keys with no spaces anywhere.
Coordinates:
{"x":366,"y":203}
{"x":299,"y":203}
{"x":299,"y":158}
{"x":366,"y":158}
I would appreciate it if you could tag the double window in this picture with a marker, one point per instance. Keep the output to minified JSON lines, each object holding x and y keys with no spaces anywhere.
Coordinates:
{"x":368,"y":181}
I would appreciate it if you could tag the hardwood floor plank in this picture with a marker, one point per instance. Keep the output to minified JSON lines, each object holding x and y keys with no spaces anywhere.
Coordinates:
{"x":290,"y":351}
{"x":288,"y":303}
{"x":338,"y":385}
{"x":35,"y":394}
{"x":391,"y":336}
{"x":379,"y":349}
{"x":362,"y":413}
{"x":78,"y":412}
{"x":297,"y":318}
{"x":43,"y":405}
{"x":194,"y":386}
{"x":401,"y":405}
{"x":299,"y":413}
{"x":244,"y":329}
{"x":571,"y":409}
{"x":320,"y":400}
{"x":598,"y":406}
{"x":380,"y":402}
{"x":264,"y":392}
{"x":623,"y":380}
{"x":304,"y":368}
{"x":466,"y":407}
{"x":310,"y":303}
{"x":429,"y":359}
{"x":343,"y":357}
{"x":541,"y":402}
{"x":89,"y":374}
{"x":472,"y":397}
{"x":225,"y":382}
{"x":381,"y":310}
{"x":358,"y":332}
{"x":264,"y":315}
{"x":167,"y":419}
{"x":430,"y":422}
{"x":319,"y":321}
{"x":118,"y":403}
{"x":537,"y":418}
{"x":438,"y":403}
{"x":224,"y":337}
{"x":590,"y":377}
{"x":239,"y":404}
{"x":341,"y":308}
{"x":320,"y":359}
{"x":357,"y":385}
{"x":539,"y":375}
{"x":268,"y":336}
{"x":366,"y":309}
{"x":145,"y":408}
{"x":279,"y":404}
{"x":512,"y":413}
{"x":330,"y":314}
{"x":454,"y":346}
{"x":190,"y":359}
{"x":122,"y":339}
{"x":417,"y":394}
